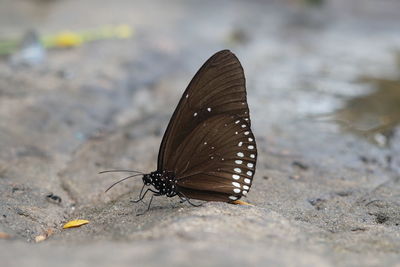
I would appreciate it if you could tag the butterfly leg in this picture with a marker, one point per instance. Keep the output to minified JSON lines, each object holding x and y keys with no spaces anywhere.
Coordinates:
{"x":148,"y":207}
{"x":144,"y":194}
{"x":184,"y":199}
{"x":140,"y":196}
{"x":151,"y":199}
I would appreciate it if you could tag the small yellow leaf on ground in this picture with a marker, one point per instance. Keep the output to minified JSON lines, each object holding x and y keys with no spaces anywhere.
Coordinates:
{"x":68,"y":39}
{"x":240,"y":202}
{"x":75,"y":223}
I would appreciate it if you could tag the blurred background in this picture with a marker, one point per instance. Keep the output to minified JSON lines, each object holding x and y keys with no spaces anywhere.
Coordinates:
{"x":319,"y":46}
{"x":88,"y":85}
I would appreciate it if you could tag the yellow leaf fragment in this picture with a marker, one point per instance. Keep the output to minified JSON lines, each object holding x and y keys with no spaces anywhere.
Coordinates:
{"x":44,"y":236}
{"x":4,"y":235}
{"x":123,"y":31}
{"x":68,"y":39}
{"x":40,"y":238}
{"x":240,"y":202}
{"x":75,"y":223}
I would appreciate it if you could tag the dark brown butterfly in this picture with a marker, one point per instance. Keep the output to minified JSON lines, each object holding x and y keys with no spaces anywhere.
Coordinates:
{"x":208,"y":151}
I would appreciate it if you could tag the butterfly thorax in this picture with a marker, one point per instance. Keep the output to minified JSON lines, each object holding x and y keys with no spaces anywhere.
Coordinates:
{"x":163,"y":181}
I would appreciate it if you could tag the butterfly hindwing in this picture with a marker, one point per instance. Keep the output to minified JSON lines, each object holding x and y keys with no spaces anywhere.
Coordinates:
{"x":224,"y":160}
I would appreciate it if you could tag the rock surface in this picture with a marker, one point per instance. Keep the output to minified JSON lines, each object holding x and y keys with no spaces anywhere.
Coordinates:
{"x":323,"y":194}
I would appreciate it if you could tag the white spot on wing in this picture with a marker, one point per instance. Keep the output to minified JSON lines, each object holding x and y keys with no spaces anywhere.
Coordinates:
{"x":243,"y":125}
{"x":249,"y":173}
{"x":187,"y":95}
{"x":247,"y":181}
{"x":236,"y":122}
{"x":250,"y":139}
{"x":246,"y":133}
{"x":250,"y":147}
{"x":250,"y":165}
{"x":240,"y":144}
{"x":244,"y":192}
{"x":235,"y":176}
{"x":236,"y":190}
{"x":236,"y":184}
{"x":252,"y":156}
{"x":238,"y":170}
{"x":209,"y":109}
{"x":233,"y":197}
{"x":195,"y":114}
{"x":246,"y":187}
{"x":240,"y":154}
{"x":238,"y":161}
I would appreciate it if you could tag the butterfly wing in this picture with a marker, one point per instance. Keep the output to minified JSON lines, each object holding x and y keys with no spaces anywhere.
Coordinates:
{"x":212,"y":109}
{"x":222,"y":164}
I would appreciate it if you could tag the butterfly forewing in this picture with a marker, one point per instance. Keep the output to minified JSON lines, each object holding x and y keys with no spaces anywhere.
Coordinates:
{"x":208,"y":143}
{"x":219,"y":87}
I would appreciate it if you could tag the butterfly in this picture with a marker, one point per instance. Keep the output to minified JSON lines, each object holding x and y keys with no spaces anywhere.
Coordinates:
{"x":208,"y":151}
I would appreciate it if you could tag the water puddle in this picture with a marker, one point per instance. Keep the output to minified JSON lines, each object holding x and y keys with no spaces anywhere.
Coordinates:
{"x":373,"y":116}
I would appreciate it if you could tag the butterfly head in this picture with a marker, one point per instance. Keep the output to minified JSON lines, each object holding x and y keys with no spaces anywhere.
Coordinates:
{"x":147,"y":179}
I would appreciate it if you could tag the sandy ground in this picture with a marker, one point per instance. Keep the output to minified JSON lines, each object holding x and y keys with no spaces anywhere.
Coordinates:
{"x":326,"y":190}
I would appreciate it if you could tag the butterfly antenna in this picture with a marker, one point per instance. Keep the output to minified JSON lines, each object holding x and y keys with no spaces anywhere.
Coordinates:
{"x":117,"y":182}
{"x":120,"y":171}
